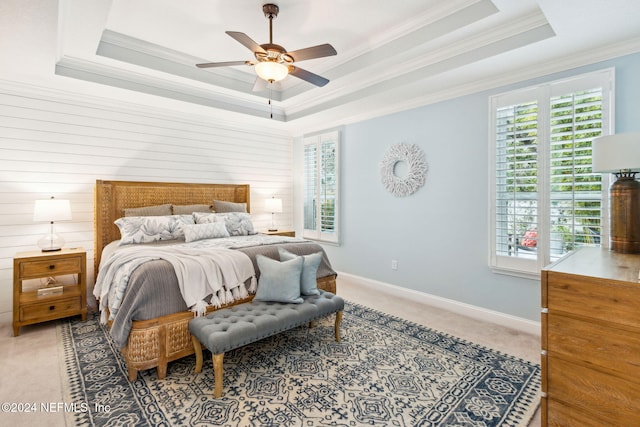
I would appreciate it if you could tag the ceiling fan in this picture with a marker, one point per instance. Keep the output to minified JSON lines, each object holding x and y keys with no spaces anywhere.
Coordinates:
{"x":272,"y":61}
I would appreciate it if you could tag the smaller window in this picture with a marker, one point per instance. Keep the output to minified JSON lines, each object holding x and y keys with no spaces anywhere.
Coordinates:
{"x":321,"y":187}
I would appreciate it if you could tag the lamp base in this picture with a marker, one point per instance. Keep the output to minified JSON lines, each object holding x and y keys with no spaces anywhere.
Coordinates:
{"x":51,"y":243}
{"x":625,"y":215}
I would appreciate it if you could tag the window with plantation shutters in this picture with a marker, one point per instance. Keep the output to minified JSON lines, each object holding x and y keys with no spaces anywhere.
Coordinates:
{"x":321,"y":201}
{"x":546,"y":200}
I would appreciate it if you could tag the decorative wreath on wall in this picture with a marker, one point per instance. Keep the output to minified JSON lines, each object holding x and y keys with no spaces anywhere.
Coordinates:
{"x":413,"y":156}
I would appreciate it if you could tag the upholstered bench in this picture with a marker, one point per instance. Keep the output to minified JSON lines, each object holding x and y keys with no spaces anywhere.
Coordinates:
{"x":243,"y":324}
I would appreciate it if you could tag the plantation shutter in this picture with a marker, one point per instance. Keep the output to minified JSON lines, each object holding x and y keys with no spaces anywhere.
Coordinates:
{"x":328,"y":187}
{"x":310,"y":185}
{"x":575,"y":190}
{"x":517,"y":180}
{"x":321,"y":187}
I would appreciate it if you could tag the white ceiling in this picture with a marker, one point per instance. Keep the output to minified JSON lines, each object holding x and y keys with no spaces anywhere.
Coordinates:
{"x":392,"y":55}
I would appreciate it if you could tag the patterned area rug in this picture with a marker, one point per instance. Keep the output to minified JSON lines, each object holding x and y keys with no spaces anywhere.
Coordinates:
{"x":385,"y":372}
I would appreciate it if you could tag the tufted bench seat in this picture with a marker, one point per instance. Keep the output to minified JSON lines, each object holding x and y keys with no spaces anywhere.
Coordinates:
{"x":242,"y":324}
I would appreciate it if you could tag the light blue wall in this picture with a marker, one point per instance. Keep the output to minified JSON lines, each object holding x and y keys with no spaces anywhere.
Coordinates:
{"x":439,"y":235}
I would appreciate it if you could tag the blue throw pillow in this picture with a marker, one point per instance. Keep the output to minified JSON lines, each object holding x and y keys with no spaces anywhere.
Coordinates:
{"x":308,"y":281}
{"x":279,"y":281}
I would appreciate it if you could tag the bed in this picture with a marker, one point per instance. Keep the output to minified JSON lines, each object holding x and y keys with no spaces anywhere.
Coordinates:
{"x":152,"y":342}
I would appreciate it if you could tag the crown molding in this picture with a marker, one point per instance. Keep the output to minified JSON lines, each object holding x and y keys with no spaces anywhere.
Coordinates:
{"x":138,"y":52}
{"x":126,"y":79}
{"x":509,"y":77}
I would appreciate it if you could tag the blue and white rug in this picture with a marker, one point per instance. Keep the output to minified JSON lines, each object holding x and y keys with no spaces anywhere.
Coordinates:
{"x":385,"y":372}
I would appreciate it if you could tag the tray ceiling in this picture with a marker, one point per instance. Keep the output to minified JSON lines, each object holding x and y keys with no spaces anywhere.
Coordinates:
{"x":391,"y":55}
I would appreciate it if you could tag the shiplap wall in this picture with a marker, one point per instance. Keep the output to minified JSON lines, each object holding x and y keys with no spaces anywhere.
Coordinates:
{"x":57,"y":144}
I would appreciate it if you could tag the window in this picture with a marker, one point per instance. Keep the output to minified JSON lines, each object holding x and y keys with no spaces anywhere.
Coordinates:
{"x":546,"y":200}
{"x":321,"y":201}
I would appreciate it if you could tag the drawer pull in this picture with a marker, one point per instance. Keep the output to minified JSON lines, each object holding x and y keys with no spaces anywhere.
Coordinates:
{"x":52,"y":307}
{"x":52,"y":266}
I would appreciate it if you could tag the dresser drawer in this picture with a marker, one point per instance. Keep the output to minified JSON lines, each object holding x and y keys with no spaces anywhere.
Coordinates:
{"x":613,"y":301}
{"x":560,"y":415}
{"x":50,"y":310}
{"x":54,"y":267}
{"x":593,"y":392}
{"x":612,"y":349}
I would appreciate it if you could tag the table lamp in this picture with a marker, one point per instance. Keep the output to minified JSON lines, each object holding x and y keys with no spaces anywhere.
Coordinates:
{"x":51,"y":210}
{"x":274,"y":206}
{"x":620,"y":154}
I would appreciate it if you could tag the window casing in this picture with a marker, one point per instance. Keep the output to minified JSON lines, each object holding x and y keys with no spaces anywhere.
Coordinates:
{"x":545,"y":198}
{"x":321,"y":187}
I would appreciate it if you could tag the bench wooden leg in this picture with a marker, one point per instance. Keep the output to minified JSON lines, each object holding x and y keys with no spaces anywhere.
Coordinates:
{"x":217,"y":374}
{"x":197,"y":349}
{"x":133,"y":373}
{"x":162,"y":370}
{"x":337,"y":326}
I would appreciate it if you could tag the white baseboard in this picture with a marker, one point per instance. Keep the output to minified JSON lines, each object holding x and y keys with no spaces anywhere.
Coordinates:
{"x":6,"y":317}
{"x":479,"y":313}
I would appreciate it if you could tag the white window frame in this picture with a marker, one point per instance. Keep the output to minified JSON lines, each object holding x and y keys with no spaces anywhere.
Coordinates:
{"x":530,"y":267}
{"x":317,"y":233}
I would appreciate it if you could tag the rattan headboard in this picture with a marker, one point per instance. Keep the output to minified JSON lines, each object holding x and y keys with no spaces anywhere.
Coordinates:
{"x":112,"y":197}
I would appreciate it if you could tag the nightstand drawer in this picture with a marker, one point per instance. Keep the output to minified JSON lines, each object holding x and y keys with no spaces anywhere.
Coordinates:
{"x":50,"y":310}
{"x":55,"y":267}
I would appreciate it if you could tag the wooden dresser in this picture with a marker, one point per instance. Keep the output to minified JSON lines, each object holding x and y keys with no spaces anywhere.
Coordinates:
{"x":591,"y":340}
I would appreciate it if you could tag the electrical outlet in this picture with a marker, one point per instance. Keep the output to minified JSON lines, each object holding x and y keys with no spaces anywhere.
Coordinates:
{"x":394,"y":264}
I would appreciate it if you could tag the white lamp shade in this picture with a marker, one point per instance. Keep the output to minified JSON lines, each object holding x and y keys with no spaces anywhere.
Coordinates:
{"x":52,"y":210}
{"x":274,"y":205}
{"x":614,"y":153}
{"x":271,"y":71}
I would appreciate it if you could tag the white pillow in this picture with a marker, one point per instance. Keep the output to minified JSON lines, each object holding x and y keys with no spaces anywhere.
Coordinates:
{"x":204,"y":218}
{"x":237,"y":223}
{"x":213,"y":230}
{"x":148,"y":229}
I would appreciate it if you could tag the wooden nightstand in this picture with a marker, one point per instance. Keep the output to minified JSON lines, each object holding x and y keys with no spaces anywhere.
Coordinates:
{"x":289,"y":233}
{"x":28,"y":306}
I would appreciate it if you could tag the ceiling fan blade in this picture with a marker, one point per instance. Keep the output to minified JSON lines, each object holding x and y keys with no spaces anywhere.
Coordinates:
{"x":246,"y":41}
{"x":259,"y":85}
{"x":223,"y":64}
{"x":307,"y":76}
{"x":319,"y":51}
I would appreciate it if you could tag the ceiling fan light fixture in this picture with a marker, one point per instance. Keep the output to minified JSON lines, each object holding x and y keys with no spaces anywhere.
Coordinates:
{"x":271,"y":71}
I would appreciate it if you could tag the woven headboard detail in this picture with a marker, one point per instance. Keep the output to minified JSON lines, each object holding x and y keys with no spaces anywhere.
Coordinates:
{"x":112,"y":197}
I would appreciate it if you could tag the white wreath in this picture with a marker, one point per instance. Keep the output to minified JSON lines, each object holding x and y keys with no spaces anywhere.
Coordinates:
{"x":416,"y":175}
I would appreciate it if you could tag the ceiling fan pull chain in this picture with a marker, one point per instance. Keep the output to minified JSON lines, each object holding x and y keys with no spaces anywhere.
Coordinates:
{"x":270,"y":104}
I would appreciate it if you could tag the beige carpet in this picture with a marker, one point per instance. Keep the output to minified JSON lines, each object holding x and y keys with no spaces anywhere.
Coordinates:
{"x":30,"y":368}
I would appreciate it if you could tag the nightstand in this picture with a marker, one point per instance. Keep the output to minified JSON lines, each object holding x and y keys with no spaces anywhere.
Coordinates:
{"x":289,"y":233}
{"x":29,"y":306}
